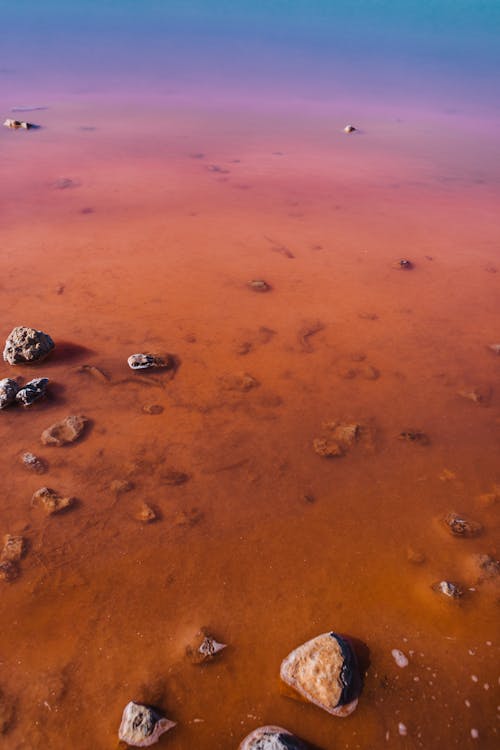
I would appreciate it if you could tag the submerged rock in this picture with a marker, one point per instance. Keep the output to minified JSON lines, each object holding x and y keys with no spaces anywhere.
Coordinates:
{"x":203,"y":647}
{"x":51,"y":501}
{"x":121,"y":485}
{"x":484,"y":567}
{"x":66,"y":431}
{"x":241,"y":381}
{"x":152,"y":409}
{"x":328,"y":448}
{"x":33,"y":463}
{"x":449,"y":589}
{"x":259,"y":285}
{"x":26,"y":345}
{"x":148,"y":361}
{"x":32,"y":391}
{"x":461,"y":526}
{"x":9,"y":570}
{"x":13,"y":548}
{"x":272,"y":738}
{"x":324,"y":671}
{"x":8,"y":391}
{"x":414,"y":436}
{"x":142,"y":726}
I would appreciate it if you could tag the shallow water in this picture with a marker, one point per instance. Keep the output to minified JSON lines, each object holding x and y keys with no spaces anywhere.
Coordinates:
{"x":132,"y":221}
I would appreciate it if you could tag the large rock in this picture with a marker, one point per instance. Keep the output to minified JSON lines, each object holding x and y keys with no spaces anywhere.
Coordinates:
{"x":324,"y":671}
{"x":66,"y":431}
{"x":272,"y":738}
{"x":32,"y":391}
{"x":8,"y":392}
{"x":27,"y":345}
{"x":142,"y":726}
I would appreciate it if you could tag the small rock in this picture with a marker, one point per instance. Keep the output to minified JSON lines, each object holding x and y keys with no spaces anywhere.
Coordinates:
{"x":478,"y":395}
{"x":485,"y":567}
{"x":8,"y":390}
{"x":146,"y":514}
{"x":350,"y":129}
{"x":495,"y":348}
{"x":33,"y":463}
{"x":324,"y":671}
{"x":400,"y":658}
{"x":404,"y":264}
{"x":462,"y":526}
{"x":142,"y":726}
{"x":27,"y":345}
{"x":327,"y":448}
{"x":17,"y":124}
{"x":239,"y":382}
{"x":414,"y":436}
{"x":415,"y":556}
{"x":259,"y":285}
{"x":148,"y":361}
{"x":51,"y":501}
{"x":203,"y":647}
{"x":272,"y":738}
{"x":368,"y":372}
{"x":66,"y":431}
{"x":344,"y":433}
{"x":9,"y":571}
{"x":152,"y":409}
{"x":32,"y":391}
{"x":121,"y":485}
{"x":13,"y":548}
{"x":449,"y":589}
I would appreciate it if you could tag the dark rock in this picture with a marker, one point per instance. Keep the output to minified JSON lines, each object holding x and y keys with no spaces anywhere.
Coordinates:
{"x":51,"y":501}
{"x":404,"y":264}
{"x":33,"y":463}
{"x":414,"y":436}
{"x":461,"y":526}
{"x":148,"y":361}
{"x":203,"y":647}
{"x":324,"y":671}
{"x":66,"y":431}
{"x":8,"y":391}
{"x":259,"y":285}
{"x":32,"y":391}
{"x":272,"y":738}
{"x":27,"y":345}
{"x":142,"y":726}
{"x":484,"y":567}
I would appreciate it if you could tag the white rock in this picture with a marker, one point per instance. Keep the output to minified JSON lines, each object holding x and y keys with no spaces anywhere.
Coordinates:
{"x":399,"y":657}
{"x":142,"y":726}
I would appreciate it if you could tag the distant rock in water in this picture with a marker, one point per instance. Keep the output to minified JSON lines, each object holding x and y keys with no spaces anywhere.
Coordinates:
{"x":461,"y":526}
{"x":147,"y":361}
{"x":272,"y":738}
{"x":404,"y":264}
{"x":8,"y":391}
{"x":142,"y":726}
{"x":66,"y":431}
{"x":17,"y":124}
{"x":32,"y":391}
{"x":350,"y":129}
{"x":325,"y":672}
{"x":203,"y":647}
{"x":259,"y":285}
{"x":27,"y":345}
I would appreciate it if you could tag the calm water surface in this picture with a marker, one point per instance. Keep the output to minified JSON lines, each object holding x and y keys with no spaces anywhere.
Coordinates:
{"x":184,"y":149}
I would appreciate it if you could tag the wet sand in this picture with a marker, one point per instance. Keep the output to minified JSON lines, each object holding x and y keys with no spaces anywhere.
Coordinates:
{"x":141,"y":236}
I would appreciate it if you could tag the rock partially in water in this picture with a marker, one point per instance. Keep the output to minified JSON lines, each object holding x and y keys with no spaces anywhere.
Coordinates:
{"x":404,"y":264}
{"x":462,"y":526}
{"x":259,"y":285}
{"x":349,"y":129}
{"x":146,"y":514}
{"x":142,"y":726}
{"x":26,"y":345}
{"x":324,"y":671}
{"x":9,"y":570}
{"x":33,"y":463}
{"x":8,"y":391}
{"x":203,"y":647}
{"x":51,"y":501}
{"x":272,"y":738}
{"x":32,"y":391}
{"x":17,"y":124}
{"x":64,"y":432}
{"x":449,"y":589}
{"x":149,"y":361}
{"x":13,"y":549}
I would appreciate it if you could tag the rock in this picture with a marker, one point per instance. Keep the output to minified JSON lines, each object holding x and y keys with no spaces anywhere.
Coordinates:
{"x":400,"y":658}
{"x":368,"y":372}
{"x":344,"y":433}
{"x":241,"y":381}
{"x":51,"y":501}
{"x":203,"y":647}
{"x":146,"y":514}
{"x":148,"y":361}
{"x":484,"y":567}
{"x":495,"y":348}
{"x":404,"y":264}
{"x":414,"y":436}
{"x":8,"y":391}
{"x":173,"y":477}
{"x":350,"y":129}
{"x":272,"y":738}
{"x":259,"y":285}
{"x":478,"y":394}
{"x":462,"y":526}
{"x":449,"y":589}
{"x":32,"y":391}
{"x":66,"y":431}
{"x":327,"y":448}
{"x":13,"y":548}
{"x":415,"y":556}
{"x":306,"y":331}
{"x":33,"y":463}
{"x":324,"y":671}
{"x":121,"y":485}
{"x":152,"y":409}
{"x":8,"y":570}
{"x":27,"y":345}
{"x":16,"y":124}
{"x":142,"y":726}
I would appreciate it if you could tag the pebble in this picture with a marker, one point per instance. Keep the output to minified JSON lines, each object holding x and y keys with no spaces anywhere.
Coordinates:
{"x":142,"y":726}
{"x":399,"y":657}
{"x":449,"y":589}
{"x":17,"y":124}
